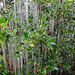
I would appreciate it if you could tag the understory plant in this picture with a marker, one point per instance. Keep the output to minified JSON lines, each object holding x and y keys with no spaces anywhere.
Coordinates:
{"x":44,"y":51}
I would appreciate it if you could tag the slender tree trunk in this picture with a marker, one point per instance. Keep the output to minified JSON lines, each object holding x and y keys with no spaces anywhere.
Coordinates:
{"x":4,"y":56}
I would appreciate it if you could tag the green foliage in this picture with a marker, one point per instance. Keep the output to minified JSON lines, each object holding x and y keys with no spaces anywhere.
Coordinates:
{"x":2,"y":21}
{"x":51,"y":52}
{"x":33,"y":37}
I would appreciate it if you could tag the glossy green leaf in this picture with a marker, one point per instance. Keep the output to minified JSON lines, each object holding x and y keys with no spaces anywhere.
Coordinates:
{"x":17,"y":52}
{"x":53,"y":43}
{"x":55,"y":68}
{"x":26,"y":35}
{"x":1,"y":41}
{"x":3,"y":24}
{"x":4,"y":34}
{"x":52,"y":39}
{"x":2,"y":20}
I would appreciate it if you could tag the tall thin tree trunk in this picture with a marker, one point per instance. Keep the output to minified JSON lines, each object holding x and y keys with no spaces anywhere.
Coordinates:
{"x":18,"y":59}
{"x":4,"y":56}
{"x":27,"y":25}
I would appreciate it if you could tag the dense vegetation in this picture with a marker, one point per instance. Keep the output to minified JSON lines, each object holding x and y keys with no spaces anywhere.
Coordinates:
{"x":37,"y":37}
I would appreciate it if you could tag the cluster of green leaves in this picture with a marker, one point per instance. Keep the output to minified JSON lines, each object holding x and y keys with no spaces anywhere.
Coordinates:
{"x":31,"y":41}
{"x":5,"y":32}
{"x":57,"y":54}
{"x":66,"y":44}
{"x":6,"y":35}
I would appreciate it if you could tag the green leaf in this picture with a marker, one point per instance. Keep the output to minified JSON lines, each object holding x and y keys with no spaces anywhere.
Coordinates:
{"x":48,"y":1}
{"x":2,"y":20}
{"x":25,"y":40}
{"x":3,"y":24}
{"x":0,"y":65}
{"x":14,"y":31}
{"x":55,"y":68}
{"x":0,"y":33}
{"x":26,"y":35}
{"x":4,"y":34}
{"x":17,"y":52}
{"x":52,"y":39}
{"x":44,"y":72}
{"x":53,"y":43}
{"x":15,"y":57}
{"x":50,"y":69}
{"x":51,"y":47}
{"x":1,"y":41}
{"x":31,"y":44}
